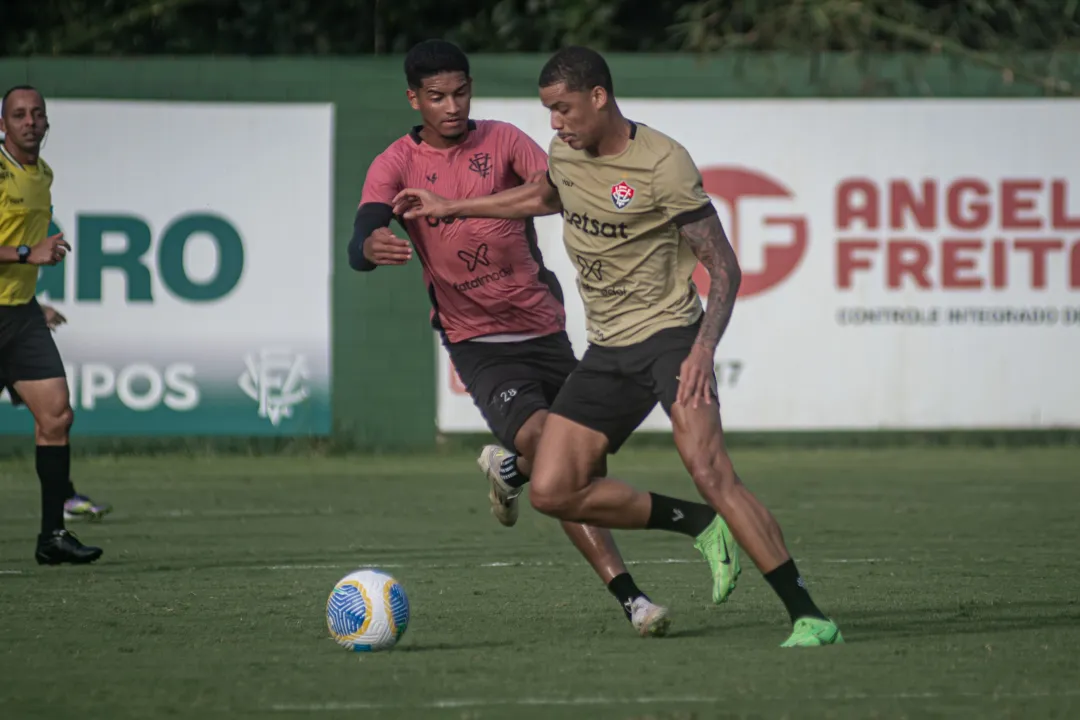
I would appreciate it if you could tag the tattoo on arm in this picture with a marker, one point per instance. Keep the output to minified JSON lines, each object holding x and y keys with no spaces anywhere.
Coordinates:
{"x":707,"y":239}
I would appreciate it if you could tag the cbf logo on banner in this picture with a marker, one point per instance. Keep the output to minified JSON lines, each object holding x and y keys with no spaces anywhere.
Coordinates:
{"x":733,"y":185}
{"x":197,"y":289}
{"x":906,"y":264}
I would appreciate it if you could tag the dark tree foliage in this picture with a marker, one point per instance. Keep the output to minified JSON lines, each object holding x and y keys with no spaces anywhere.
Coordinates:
{"x":363,"y":27}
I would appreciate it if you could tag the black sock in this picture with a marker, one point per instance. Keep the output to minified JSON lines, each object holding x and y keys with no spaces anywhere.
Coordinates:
{"x":625,"y":591}
{"x":511,"y":474}
{"x":788,"y":584}
{"x":681,"y":516}
{"x":53,"y":469}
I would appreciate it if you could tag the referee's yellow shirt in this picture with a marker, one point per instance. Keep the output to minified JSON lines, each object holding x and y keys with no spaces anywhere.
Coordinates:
{"x":25,"y":212}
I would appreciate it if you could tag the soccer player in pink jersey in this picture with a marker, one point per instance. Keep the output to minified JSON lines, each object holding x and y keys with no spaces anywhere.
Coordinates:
{"x":498,"y":310}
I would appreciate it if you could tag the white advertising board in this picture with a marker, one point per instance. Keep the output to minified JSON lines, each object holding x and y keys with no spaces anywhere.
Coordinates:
{"x":197,"y":292}
{"x":907,"y":264}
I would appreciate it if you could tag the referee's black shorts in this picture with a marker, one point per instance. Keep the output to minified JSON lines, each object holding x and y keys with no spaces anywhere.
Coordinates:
{"x":27,"y":348}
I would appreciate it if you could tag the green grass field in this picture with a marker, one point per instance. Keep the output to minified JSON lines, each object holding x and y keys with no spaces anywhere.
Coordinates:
{"x":954,"y":574}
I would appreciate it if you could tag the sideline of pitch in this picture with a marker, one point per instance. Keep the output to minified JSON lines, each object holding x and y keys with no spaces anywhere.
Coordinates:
{"x":674,"y":700}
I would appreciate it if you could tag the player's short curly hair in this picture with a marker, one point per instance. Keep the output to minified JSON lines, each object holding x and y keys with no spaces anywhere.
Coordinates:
{"x":580,"y":68}
{"x":433,"y":57}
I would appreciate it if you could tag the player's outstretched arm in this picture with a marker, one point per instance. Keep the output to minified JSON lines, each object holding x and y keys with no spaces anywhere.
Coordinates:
{"x":706,"y":237}
{"x":524,"y":201}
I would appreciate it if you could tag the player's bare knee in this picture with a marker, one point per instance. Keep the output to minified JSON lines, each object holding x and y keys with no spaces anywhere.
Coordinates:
{"x":551,"y":502}
{"x":713,"y":471}
{"x":553,"y":492}
{"x":550,"y":498}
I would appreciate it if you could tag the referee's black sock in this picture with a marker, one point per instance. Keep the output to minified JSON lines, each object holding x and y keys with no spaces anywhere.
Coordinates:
{"x":511,"y":474}
{"x":681,"y":516}
{"x":54,"y":469}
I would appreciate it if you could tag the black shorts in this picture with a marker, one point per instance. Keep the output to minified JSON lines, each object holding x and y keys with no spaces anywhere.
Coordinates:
{"x":613,"y":389}
{"x":27,"y":348}
{"x":510,"y":381}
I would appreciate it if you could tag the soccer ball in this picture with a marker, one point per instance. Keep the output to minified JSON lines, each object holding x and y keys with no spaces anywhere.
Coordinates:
{"x":367,"y":611}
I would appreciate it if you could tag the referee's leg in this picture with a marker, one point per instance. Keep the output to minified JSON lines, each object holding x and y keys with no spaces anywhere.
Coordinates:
{"x":37,"y":374}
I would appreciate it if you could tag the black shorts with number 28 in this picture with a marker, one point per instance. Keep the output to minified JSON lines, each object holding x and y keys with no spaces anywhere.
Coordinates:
{"x":510,"y":381}
{"x":613,"y":389}
{"x":27,"y":348}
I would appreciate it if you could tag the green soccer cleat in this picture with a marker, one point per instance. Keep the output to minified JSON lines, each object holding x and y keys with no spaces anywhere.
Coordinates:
{"x":717,"y":545}
{"x":814,"y":632}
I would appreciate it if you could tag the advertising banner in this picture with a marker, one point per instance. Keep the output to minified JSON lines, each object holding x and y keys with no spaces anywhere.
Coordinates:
{"x":907,"y":264}
{"x":197,"y":292}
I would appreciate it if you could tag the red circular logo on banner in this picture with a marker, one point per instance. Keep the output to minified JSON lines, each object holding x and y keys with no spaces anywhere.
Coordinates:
{"x":732,"y":184}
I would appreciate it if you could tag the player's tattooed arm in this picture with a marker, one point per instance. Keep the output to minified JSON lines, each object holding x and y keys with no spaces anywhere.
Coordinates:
{"x":524,"y":201}
{"x":709,"y":242}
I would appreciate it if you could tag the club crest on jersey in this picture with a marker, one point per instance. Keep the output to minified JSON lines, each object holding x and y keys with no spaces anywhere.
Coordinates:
{"x":621,"y":194}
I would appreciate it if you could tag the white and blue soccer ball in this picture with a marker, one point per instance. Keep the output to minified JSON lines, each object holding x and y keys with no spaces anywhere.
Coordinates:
{"x":367,"y":611}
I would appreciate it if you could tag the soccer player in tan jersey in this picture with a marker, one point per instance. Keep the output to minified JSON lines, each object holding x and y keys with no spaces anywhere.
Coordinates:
{"x":636,"y":223}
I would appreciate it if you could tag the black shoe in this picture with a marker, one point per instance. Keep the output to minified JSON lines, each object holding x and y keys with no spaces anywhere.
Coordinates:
{"x":62,"y":547}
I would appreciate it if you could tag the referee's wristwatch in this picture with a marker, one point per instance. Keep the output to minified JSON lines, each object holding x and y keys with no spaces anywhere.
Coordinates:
{"x":24,"y":253}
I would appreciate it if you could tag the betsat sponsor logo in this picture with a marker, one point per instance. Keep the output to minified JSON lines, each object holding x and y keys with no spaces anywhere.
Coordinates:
{"x":592,"y":226}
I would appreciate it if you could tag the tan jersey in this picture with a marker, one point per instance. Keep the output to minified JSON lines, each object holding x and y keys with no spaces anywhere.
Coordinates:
{"x":621,"y":219}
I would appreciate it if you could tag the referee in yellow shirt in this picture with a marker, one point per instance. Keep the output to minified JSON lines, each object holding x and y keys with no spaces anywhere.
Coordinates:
{"x":30,"y":362}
